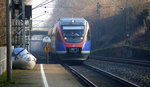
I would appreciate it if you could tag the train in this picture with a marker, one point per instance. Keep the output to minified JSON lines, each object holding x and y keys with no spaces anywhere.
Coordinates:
{"x":70,"y":39}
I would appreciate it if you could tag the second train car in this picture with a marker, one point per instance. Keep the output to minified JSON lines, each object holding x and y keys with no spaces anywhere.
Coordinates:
{"x":70,"y":39}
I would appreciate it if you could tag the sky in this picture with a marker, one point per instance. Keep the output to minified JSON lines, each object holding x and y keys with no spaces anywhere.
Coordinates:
{"x":41,"y":11}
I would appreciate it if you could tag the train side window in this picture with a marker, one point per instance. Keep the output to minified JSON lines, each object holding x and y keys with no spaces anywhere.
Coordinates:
{"x":88,"y":35}
{"x":58,"y":37}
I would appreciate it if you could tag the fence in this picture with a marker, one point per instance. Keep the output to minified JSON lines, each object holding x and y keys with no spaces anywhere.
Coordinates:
{"x":2,"y":59}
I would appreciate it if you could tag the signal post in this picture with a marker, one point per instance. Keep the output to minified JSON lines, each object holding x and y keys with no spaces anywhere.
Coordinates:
{"x":47,"y":48}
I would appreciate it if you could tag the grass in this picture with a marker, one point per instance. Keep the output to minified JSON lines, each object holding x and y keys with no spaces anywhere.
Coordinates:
{"x":2,"y":78}
{"x":16,"y":73}
{"x":3,"y":81}
{"x":100,"y":49}
{"x":146,"y":48}
{"x":121,"y":51}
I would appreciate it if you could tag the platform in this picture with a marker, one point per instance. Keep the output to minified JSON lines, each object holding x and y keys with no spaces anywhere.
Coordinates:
{"x":52,"y":75}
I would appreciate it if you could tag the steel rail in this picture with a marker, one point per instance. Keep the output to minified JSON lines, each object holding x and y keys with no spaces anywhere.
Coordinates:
{"x":117,"y":78}
{"x":84,"y":81}
{"x":121,"y":60}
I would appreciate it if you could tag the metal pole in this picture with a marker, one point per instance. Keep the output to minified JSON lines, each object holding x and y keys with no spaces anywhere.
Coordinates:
{"x":15,"y":34}
{"x":23,"y":18}
{"x":9,"y":45}
{"x":20,"y":36}
{"x":30,"y":24}
{"x":47,"y":55}
{"x":47,"y":58}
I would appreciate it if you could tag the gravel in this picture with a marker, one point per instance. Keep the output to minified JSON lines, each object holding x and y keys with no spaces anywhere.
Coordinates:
{"x":137,"y":74}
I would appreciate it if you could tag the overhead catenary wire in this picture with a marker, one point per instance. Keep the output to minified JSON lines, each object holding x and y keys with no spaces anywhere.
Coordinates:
{"x":38,"y":16}
{"x":43,"y":3}
{"x":39,"y":5}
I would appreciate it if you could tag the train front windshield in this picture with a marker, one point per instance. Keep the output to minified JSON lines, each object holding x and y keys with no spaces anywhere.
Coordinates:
{"x":73,"y":34}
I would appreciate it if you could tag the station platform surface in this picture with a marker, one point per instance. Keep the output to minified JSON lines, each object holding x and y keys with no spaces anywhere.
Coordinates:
{"x":44,"y":75}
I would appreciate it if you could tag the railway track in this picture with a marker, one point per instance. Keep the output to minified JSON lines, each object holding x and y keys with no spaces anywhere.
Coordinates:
{"x":121,"y":80}
{"x":81,"y":78}
{"x":91,"y":76}
{"x":121,"y":60}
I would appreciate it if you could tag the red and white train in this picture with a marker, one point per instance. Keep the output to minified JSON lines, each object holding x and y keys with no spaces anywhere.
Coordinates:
{"x":70,"y":39}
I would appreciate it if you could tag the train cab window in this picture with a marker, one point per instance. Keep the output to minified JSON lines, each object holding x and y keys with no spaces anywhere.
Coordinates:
{"x":73,"y":30}
{"x":73,"y":34}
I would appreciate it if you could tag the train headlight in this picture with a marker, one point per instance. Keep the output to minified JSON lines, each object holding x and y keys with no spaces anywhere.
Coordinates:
{"x":65,"y":38}
{"x":81,"y":38}
{"x":73,"y":21}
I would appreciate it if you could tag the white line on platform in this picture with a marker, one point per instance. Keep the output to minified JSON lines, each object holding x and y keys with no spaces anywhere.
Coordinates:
{"x":43,"y":76}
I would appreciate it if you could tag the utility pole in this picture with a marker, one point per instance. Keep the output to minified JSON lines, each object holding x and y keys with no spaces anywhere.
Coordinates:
{"x":98,"y":22}
{"x":127,"y":34}
{"x":9,"y":45}
{"x":98,"y":10}
{"x":127,"y":19}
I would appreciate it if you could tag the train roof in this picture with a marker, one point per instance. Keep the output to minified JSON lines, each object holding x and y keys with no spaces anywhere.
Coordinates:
{"x":72,"y":21}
